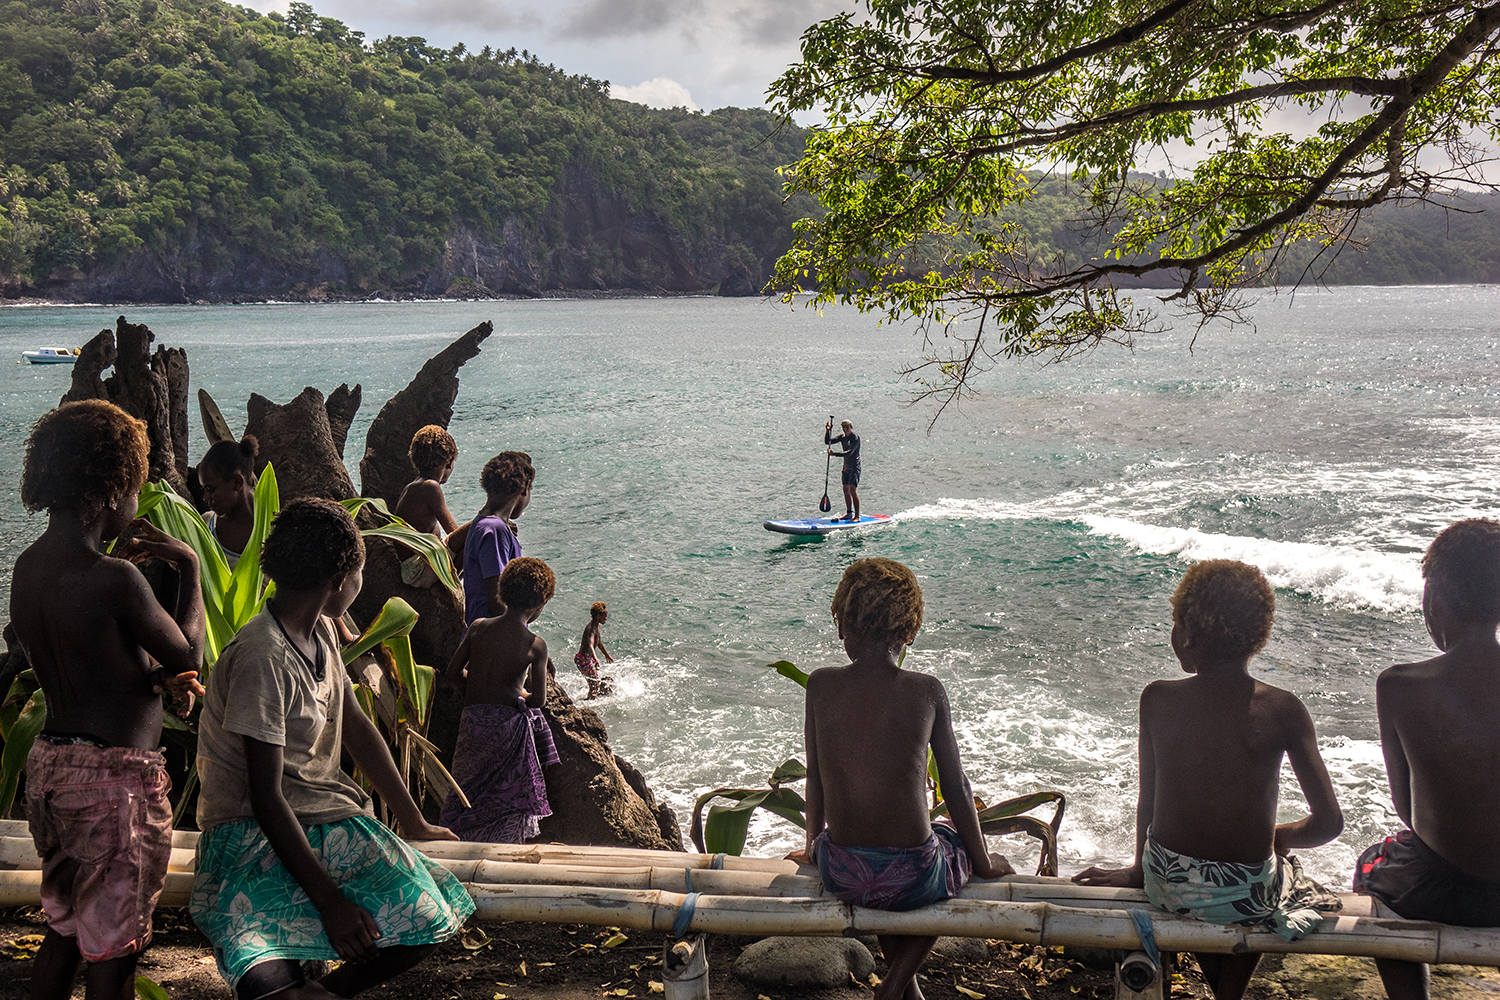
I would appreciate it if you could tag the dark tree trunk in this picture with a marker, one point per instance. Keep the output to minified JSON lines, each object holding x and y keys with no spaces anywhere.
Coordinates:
{"x":342,"y":405}
{"x":297,"y":439}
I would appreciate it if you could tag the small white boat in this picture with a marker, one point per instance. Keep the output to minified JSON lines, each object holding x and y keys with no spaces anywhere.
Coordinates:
{"x":52,"y":356}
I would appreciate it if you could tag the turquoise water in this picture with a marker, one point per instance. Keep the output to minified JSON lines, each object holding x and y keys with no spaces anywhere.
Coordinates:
{"x":1048,"y":520}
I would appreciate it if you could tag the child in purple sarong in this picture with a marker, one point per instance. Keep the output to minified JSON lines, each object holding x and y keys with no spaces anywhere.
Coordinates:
{"x":868,"y":726}
{"x":503,"y":740}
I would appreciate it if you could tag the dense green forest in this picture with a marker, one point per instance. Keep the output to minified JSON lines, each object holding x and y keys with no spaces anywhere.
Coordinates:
{"x":203,"y":144}
{"x":171,"y":150}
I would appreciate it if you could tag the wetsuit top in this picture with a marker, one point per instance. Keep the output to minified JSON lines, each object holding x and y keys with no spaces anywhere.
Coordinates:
{"x":849,"y":442}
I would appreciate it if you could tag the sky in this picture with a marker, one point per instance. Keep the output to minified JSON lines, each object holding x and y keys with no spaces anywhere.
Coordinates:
{"x":699,"y":54}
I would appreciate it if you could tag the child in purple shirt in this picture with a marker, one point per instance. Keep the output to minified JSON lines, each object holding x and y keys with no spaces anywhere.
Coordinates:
{"x":490,"y":540}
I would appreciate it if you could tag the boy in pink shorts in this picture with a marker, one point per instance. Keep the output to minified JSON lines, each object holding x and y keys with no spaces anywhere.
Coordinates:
{"x":96,"y":790}
{"x":585,"y":660}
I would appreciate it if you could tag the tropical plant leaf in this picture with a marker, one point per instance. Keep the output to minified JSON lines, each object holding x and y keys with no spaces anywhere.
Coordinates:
{"x":789,"y":770}
{"x":17,"y":745}
{"x":725,"y":828}
{"x":148,"y":989}
{"x":396,"y":618}
{"x":391,"y":628}
{"x":424,"y":544}
{"x":172,"y":514}
{"x":247,"y":584}
{"x":790,"y":670}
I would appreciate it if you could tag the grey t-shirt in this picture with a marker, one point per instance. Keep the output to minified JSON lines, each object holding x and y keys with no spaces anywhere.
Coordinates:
{"x":262,"y":687}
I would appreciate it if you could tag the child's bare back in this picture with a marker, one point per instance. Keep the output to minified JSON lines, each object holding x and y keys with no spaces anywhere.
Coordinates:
{"x":500,"y":654}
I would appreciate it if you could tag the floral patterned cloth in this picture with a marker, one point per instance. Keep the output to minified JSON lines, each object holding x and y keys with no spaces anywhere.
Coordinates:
{"x":252,"y":910}
{"x":497,"y":761}
{"x":895,"y":878}
{"x":1273,"y":892}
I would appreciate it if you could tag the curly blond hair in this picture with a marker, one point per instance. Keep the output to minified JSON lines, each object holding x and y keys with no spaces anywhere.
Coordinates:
{"x":1228,"y":607}
{"x":879,"y":599}
{"x":82,"y":456}
{"x":432,"y":447}
{"x":1463,"y":564}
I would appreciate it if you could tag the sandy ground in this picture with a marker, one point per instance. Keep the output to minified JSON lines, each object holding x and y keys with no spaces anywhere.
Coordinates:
{"x":513,"y":961}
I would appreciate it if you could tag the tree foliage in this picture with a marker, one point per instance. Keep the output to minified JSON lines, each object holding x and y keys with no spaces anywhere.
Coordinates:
{"x":211,"y":131}
{"x":939,"y":113}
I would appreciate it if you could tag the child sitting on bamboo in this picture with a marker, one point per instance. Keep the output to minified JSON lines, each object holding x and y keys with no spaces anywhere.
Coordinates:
{"x":1207,"y":841}
{"x":292,"y":865}
{"x":503,"y":740}
{"x":868,"y":726}
{"x":1441,"y":740}
{"x":92,"y":629}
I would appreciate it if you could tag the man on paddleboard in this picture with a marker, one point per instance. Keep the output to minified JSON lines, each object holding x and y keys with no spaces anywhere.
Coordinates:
{"x":849,"y":441}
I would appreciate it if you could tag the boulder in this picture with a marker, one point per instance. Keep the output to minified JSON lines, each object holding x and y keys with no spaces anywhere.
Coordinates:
{"x":428,"y":399}
{"x":804,"y":963}
{"x":298,"y":440}
{"x":153,"y":388}
{"x":342,"y":405}
{"x":593,"y":802}
{"x":963,"y":950}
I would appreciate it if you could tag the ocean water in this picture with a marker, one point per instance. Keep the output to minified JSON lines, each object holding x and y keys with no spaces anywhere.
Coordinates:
{"x":1048,"y":520}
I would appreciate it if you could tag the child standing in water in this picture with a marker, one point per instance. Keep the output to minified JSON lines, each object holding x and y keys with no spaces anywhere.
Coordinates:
{"x":90,"y":627}
{"x":1441,"y":738}
{"x":1211,"y":745}
{"x":227,"y":475}
{"x":503,"y":740}
{"x":585,"y":660}
{"x":867,"y":729}
{"x":292,"y":864}
{"x":422,"y":504}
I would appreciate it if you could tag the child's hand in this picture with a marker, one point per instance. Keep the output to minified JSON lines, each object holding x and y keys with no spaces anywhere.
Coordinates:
{"x":350,"y":929}
{"x":183,"y":687}
{"x":147,"y":541}
{"x":426,"y":831}
{"x":996,"y":867}
{"x":1118,"y":878}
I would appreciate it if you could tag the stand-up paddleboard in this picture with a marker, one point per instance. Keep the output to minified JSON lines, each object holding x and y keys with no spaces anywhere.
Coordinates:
{"x":825,"y":525}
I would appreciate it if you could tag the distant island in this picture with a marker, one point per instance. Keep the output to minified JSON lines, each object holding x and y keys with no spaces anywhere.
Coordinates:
{"x":205,"y":152}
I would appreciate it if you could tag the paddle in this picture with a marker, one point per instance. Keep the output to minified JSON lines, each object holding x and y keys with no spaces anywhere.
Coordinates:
{"x":825,"y":505}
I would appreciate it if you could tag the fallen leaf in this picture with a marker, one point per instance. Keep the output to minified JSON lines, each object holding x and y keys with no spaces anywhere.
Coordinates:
{"x":616,"y":940}
{"x":657,"y":987}
{"x":761,"y":996}
{"x":500,"y":996}
{"x":473,"y":938}
{"x":874,"y":980}
{"x":545,"y":965}
{"x":521,"y":969}
{"x":971,"y":994}
{"x":620,"y":992}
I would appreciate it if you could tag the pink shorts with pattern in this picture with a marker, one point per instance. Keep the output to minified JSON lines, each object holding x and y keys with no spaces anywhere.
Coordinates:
{"x":102,"y":824}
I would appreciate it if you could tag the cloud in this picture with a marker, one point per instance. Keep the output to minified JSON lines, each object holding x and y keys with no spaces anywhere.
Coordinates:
{"x":662,"y":92}
{"x":773,"y":23}
{"x":606,"y":19}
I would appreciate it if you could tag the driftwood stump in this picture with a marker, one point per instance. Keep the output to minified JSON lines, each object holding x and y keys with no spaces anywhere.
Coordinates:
{"x":153,"y":388}
{"x":297,"y":439}
{"x":342,"y":405}
{"x":428,"y":399}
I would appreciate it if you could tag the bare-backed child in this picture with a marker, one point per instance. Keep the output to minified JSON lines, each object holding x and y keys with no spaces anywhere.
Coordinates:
{"x":585,"y":660}
{"x":503,"y":740}
{"x":422,"y":504}
{"x":1440,"y":731}
{"x":1211,"y":745}
{"x":90,"y":627}
{"x":867,"y":728}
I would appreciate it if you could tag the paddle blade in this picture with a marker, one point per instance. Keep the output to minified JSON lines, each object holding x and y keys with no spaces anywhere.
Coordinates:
{"x":824,"y":504}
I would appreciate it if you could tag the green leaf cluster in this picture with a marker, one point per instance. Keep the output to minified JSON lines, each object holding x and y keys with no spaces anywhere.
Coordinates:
{"x":212,"y":133}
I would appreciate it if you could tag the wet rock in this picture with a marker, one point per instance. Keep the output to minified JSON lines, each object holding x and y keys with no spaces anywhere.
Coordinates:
{"x":804,"y":963}
{"x":297,"y":439}
{"x":428,"y":399}
{"x":593,"y":802}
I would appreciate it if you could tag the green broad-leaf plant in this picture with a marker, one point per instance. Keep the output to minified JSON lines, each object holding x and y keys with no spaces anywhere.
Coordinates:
{"x":394,"y":688}
{"x":724,"y":829}
{"x":1205,"y":141}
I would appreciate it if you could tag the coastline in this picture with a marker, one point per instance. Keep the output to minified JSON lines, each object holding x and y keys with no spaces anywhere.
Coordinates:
{"x":374,"y":298}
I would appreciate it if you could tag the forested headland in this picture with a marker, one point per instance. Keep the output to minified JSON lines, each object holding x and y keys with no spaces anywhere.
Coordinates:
{"x":171,"y":152}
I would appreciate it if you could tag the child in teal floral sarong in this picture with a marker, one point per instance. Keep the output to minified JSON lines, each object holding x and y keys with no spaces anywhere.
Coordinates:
{"x":1207,"y":841}
{"x":292,"y":866}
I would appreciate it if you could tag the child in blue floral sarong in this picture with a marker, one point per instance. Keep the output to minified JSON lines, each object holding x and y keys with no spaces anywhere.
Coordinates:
{"x":1211,"y":745}
{"x":291,"y":865}
{"x":867,"y":728}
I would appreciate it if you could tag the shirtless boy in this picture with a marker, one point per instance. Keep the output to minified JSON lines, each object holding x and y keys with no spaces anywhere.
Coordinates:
{"x":1211,"y":745}
{"x":422,"y":504}
{"x":90,"y":627}
{"x":503,"y":740}
{"x":585,"y":660}
{"x":867,"y":728}
{"x":1441,"y":738}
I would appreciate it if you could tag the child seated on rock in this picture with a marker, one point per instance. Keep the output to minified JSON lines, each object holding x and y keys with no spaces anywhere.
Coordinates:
{"x":292,"y":864}
{"x":867,"y":728}
{"x":503,"y":740}
{"x":1440,"y":731}
{"x":585,"y":660}
{"x":227,"y":475}
{"x":1207,"y":841}
{"x":422,"y":504}
{"x":91,"y":629}
{"x":489,"y":541}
